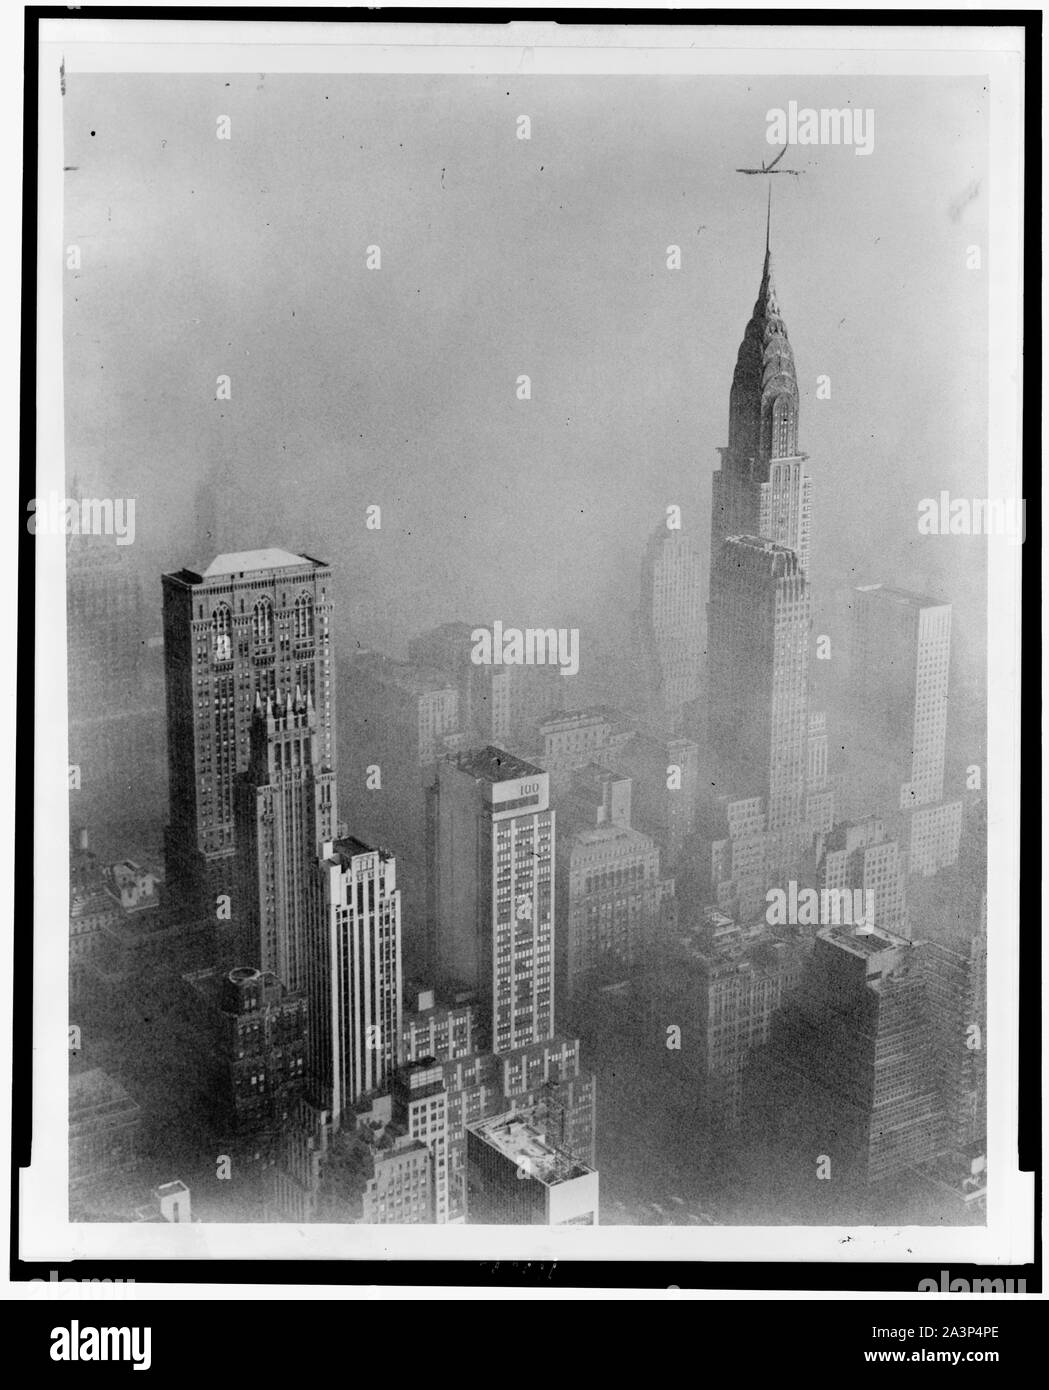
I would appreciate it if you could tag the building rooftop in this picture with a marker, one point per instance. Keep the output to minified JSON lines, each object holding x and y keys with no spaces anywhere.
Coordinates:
{"x":405,"y":675}
{"x":496,"y":765}
{"x":243,"y":561}
{"x":593,"y":714}
{"x":517,"y":1136}
{"x":347,"y":849}
{"x":863,"y":941}
{"x":94,"y":1092}
{"x":904,"y":598}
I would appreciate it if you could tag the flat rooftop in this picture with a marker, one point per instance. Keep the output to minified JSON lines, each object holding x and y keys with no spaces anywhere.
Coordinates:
{"x":493,"y":764}
{"x":519,"y":1138}
{"x":405,"y":675}
{"x":349,"y":847}
{"x":593,"y":714}
{"x":94,"y":1092}
{"x":863,"y":941}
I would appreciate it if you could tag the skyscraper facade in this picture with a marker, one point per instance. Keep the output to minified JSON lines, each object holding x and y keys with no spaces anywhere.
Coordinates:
{"x":353,"y":970}
{"x":670,"y":625}
{"x":285,"y":810}
{"x":251,"y":624}
{"x":850,"y":1070}
{"x":492,"y":865}
{"x":115,"y":689}
{"x":904,"y":640}
{"x":759,"y":648}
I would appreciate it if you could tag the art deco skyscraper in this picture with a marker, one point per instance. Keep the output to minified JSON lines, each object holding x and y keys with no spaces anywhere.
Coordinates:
{"x":492,"y":864}
{"x":353,"y":970}
{"x":249,"y":625}
{"x":285,"y":811}
{"x":759,"y":647}
{"x":762,"y":488}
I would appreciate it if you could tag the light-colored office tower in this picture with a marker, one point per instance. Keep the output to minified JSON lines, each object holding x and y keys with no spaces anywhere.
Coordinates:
{"x":861,"y":855}
{"x":850,"y":1068}
{"x":761,"y":488}
{"x":250,"y":624}
{"x":492,"y":868}
{"x":759,"y":621}
{"x":284,"y":812}
{"x":899,"y":663}
{"x":353,"y":970}
{"x":517,"y":1176}
{"x":670,"y":626}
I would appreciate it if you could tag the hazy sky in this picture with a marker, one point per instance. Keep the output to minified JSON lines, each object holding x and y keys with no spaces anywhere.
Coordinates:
{"x":502,"y":257}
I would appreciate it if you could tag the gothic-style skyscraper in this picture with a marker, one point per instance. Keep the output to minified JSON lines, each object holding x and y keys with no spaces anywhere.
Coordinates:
{"x":252,"y":623}
{"x":761,"y":488}
{"x":284,"y":810}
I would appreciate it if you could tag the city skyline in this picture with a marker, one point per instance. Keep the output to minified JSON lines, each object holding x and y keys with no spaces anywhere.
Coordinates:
{"x":546,"y":975}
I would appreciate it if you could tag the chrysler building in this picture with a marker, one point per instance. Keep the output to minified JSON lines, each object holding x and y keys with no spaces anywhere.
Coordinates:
{"x":761,"y":488}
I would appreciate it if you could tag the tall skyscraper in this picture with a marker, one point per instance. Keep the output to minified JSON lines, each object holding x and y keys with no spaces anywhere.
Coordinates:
{"x":115,"y":696}
{"x":762,"y":488}
{"x":850,"y":1070}
{"x":670,"y":625}
{"x":900,"y":664}
{"x":353,"y":970}
{"x":250,"y":624}
{"x":285,"y":810}
{"x":492,"y":866}
{"x":759,"y":647}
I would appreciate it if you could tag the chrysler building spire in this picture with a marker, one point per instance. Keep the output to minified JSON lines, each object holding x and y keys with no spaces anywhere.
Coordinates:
{"x":761,"y":488}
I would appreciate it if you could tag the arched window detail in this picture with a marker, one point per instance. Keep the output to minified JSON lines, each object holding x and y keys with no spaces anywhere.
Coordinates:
{"x":222,"y":633}
{"x":303,"y":617}
{"x":262,"y":621}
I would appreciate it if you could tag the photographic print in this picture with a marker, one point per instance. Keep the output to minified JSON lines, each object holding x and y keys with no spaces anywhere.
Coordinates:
{"x":537,"y":543}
